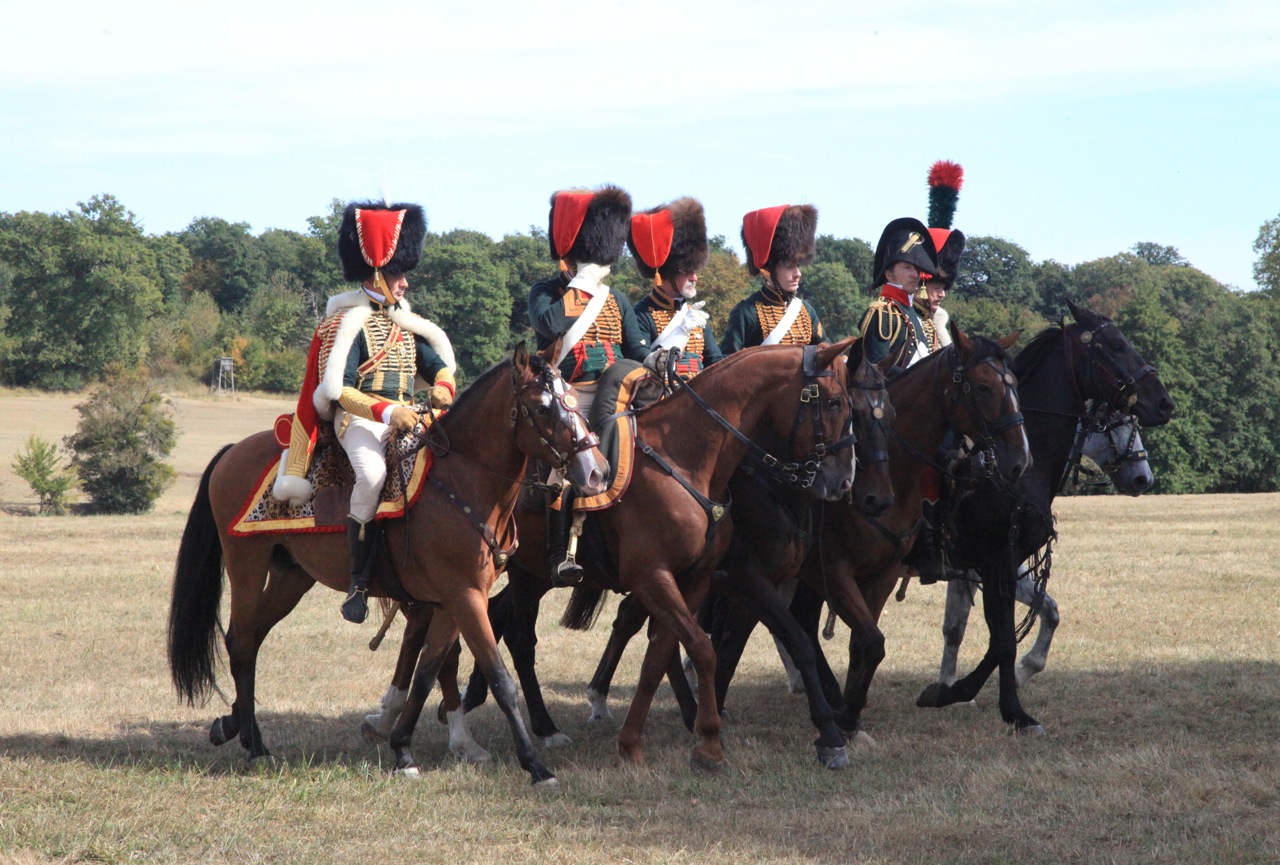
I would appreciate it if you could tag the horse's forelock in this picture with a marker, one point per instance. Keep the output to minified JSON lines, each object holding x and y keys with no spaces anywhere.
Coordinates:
{"x":985,"y":347}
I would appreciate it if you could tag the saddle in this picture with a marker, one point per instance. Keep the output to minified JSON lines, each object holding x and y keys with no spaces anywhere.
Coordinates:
{"x":332,"y":480}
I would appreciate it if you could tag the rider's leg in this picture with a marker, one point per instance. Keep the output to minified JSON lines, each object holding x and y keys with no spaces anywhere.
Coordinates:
{"x":365,"y":443}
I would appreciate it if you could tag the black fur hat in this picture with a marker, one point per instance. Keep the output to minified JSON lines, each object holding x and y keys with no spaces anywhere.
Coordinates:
{"x":790,"y":239}
{"x":687,"y":251}
{"x":905,"y":239}
{"x":405,"y":243}
{"x":950,"y":248}
{"x":592,"y":225}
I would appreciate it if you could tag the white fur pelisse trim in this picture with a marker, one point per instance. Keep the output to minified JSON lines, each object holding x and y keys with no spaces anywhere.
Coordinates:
{"x":290,"y":488}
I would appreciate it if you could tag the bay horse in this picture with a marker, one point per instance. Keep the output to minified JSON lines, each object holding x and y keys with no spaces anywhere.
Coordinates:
{"x":773,"y":530}
{"x":1113,"y":441}
{"x":966,"y":389}
{"x":999,"y":526}
{"x":656,"y":542}
{"x":446,"y":552}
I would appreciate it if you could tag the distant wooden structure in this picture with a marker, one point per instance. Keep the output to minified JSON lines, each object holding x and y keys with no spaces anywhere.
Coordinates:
{"x":223,"y":380}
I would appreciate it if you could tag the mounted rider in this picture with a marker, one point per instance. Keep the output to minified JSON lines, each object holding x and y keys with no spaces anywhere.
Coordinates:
{"x":891,"y":326}
{"x":594,"y":324}
{"x":778,"y":241}
{"x":669,"y":247}
{"x":365,"y":357}
{"x":945,"y":180}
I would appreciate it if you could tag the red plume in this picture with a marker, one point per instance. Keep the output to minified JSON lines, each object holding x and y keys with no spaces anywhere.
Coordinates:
{"x":946,"y":173}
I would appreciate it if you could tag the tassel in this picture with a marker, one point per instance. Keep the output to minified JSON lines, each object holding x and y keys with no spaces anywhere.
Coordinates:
{"x":564,"y":268}
{"x":657,"y":279}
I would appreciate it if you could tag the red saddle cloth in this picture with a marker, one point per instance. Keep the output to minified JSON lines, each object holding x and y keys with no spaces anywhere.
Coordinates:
{"x":332,"y":479}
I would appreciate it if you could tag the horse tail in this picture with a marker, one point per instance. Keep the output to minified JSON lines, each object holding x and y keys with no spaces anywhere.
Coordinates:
{"x":583,"y":608}
{"x":197,"y":594}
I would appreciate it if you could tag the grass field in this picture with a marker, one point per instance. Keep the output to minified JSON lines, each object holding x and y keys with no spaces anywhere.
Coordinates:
{"x":1161,"y":701}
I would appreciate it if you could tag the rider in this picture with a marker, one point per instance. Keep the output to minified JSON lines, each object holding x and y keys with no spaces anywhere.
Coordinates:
{"x":593,"y":323}
{"x":361,"y":371}
{"x":669,"y":246}
{"x":945,"y":180}
{"x":778,"y":240}
{"x":891,"y":327}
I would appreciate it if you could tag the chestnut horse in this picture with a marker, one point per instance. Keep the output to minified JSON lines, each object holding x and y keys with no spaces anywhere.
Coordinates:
{"x":999,"y":526}
{"x":445,"y":553}
{"x":659,"y":541}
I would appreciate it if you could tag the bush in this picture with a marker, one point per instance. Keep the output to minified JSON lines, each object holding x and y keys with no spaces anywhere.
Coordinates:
{"x":38,"y":465}
{"x":124,"y":434}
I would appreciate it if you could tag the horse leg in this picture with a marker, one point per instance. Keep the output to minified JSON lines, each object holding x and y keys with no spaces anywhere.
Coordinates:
{"x":461,"y":743}
{"x":735,"y":622}
{"x":442,"y":633}
{"x":955,"y":622}
{"x":477,"y":690}
{"x":268,"y":591}
{"x":1038,"y":655}
{"x":806,"y":609}
{"x":866,"y":652}
{"x":795,"y":681}
{"x":474,"y":624}
{"x":521,"y":635}
{"x":673,"y":622}
{"x":377,"y":727}
{"x":630,"y":619}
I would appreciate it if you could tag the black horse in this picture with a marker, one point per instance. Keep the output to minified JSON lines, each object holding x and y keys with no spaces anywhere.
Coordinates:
{"x":999,"y":526}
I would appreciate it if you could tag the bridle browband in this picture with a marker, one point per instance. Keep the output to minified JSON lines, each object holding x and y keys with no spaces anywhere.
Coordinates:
{"x":1124,"y":387}
{"x":546,"y":380}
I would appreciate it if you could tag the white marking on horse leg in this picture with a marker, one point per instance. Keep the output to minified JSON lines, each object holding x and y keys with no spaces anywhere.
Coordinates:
{"x":461,"y":745}
{"x":795,"y":682}
{"x":954,"y":623}
{"x":599,"y":707}
{"x":377,"y":727}
{"x":1037,"y":656}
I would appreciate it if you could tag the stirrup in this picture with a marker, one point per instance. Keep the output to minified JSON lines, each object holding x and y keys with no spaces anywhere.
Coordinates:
{"x":355,"y":608}
{"x":567,"y":573}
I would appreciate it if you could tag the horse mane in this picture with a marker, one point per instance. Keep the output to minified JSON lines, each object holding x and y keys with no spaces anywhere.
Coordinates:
{"x":466,"y":398}
{"x":1034,"y":353}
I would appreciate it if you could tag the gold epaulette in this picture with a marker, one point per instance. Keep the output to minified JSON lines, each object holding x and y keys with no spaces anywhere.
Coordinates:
{"x":889,"y":321}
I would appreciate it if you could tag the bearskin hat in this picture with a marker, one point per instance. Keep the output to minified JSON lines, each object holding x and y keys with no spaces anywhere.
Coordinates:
{"x":376,"y":236}
{"x":588,"y":226}
{"x":950,"y":245}
{"x":669,"y":239}
{"x":905,"y":239}
{"x":774,"y":235}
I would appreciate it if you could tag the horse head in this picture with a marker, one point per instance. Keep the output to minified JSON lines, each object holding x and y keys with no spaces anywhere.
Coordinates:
{"x":873,"y":417}
{"x":1107,"y":367}
{"x":552,"y":428}
{"x":982,"y":397}
{"x":1114,"y":443}
{"x":821,"y":422}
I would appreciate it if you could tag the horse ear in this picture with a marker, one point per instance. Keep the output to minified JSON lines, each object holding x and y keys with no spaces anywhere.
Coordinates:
{"x":520,"y":361}
{"x":958,"y":337}
{"x":1009,"y":341}
{"x":856,"y":356}
{"x":549,"y":353}
{"x":828,"y":353}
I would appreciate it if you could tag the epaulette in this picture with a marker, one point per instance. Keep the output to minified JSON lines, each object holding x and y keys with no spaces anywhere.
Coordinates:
{"x":889,"y":320}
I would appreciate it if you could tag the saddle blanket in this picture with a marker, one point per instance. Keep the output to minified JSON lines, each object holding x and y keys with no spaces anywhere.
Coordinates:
{"x":625,"y":386}
{"x":332,"y":479}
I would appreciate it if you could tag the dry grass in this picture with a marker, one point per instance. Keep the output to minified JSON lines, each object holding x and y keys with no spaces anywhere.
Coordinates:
{"x":1162,"y":702}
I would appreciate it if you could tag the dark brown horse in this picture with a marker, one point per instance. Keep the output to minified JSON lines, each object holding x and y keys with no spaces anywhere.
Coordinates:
{"x":445,"y":553}
{"x":656,"y":543}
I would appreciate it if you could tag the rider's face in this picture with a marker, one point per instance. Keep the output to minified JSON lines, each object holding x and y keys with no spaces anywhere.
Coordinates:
{"x":786,"y":277}
{"x":904,"y":274}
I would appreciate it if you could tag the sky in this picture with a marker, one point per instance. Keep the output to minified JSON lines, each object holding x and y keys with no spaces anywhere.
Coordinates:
{"x":1083,"y":127}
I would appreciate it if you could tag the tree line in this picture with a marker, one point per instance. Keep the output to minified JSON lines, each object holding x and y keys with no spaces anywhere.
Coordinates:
{"x":88,"y":288}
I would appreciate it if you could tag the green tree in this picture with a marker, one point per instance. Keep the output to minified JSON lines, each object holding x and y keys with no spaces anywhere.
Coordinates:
{"x":994,"y":268}
{"x":461,"y":289}
{"x":1106,"y":285}
{"x":118,"y":448}
{"x":40,"y":465}
{"x":524,"y":260}
{"x":722,"y":283}
{"x":1157,"y":255}
{"x":856,"y":255}
{"x":836,"y":296}
{"x":226,"y":262}
{"x":1266,"y":270}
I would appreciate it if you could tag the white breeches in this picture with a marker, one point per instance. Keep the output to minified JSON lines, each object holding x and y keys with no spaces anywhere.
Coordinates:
{"x":365,"y":442}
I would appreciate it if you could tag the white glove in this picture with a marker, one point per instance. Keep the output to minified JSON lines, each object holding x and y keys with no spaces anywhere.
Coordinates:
{"x":657,"y":360}
{"x":589,"y":277}
{"x":695,"y":317}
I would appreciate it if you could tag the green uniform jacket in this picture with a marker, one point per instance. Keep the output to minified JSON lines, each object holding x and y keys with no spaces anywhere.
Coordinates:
{"x":654,"y":312}
{"x":754,"y":318}
{"x":614,"y":332}
{"x":891,"y":328}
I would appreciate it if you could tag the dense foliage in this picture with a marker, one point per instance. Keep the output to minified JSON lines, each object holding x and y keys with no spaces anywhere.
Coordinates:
{"x":83,"y":289}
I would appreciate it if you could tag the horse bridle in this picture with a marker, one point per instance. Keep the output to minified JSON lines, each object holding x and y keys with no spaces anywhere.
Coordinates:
{"x":879,"y":433}
{"x":549,"y":381}
{"x":1124,"y":387}
{"x":962,"y":391}
{"x":799,"y":475}
{"x":1102,"y":420}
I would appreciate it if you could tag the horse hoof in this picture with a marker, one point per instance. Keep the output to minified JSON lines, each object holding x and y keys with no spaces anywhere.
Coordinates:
{"x":702,"y":764}
{"x":725,"y":717}
{"x":964,"y":704}
{"x":932,"y":697}
{"x":442,"y":714}
{"x":1032,"y":730}
{"x":216,"y":735}
{"x":833,"y":758}
{"x":370,"y":733}
{"x":556,"y":740}
{"x":548,"y":785}
{"x":471,"y":753}
{"x":860,"y":739}
{"x":597,"y":718}
{"x":413,"y":772}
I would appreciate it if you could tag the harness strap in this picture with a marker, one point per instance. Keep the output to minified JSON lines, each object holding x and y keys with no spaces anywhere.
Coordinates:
{"x":715,"y":512}
{"x":500,"y":554}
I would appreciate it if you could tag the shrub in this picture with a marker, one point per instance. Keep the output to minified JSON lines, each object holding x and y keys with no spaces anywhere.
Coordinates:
{"x":124,"y":434}
{"x":38,"y":465}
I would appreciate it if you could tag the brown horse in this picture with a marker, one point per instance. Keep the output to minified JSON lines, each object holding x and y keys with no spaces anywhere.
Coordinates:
{"x":657,"y":542}
{"x":446,"y":552}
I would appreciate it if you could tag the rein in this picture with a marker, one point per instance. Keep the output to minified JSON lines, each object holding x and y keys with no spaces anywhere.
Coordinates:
{"x":1124,"y":393}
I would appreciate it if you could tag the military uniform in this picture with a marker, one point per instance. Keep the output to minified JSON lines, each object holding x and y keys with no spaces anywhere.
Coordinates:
{"x":654,"y":312}
{"x":892,"y":327}
{"x":615,"y":333}
{"x":755,"y":318}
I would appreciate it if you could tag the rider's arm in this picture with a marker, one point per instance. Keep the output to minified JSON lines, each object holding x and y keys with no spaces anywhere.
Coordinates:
{"x":710,"y":350}
{"x":737,"y":334}
{"x":546,"y":309}
{"x":635,"y":340}
{"x":817,"y":335}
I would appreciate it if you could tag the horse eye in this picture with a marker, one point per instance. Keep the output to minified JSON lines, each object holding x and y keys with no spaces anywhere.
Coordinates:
{"x":833,"y":402}
{"x":541,"y":410}
{"x":984,"y":388}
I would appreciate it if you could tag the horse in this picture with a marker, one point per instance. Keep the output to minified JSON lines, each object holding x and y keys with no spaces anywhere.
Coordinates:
{"x":772,"y":534}
{"x":966,"y":389}
{"x":1113,"y":442}
{"x":998,"y":526}
{"x":659,"y":541}
{"x":446,"y":552}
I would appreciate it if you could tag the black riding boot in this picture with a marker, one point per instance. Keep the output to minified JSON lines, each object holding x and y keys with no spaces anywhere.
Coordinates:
{"x":565,"y":570}
{"x":360,"y":540}
{"x":926,"y":557}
